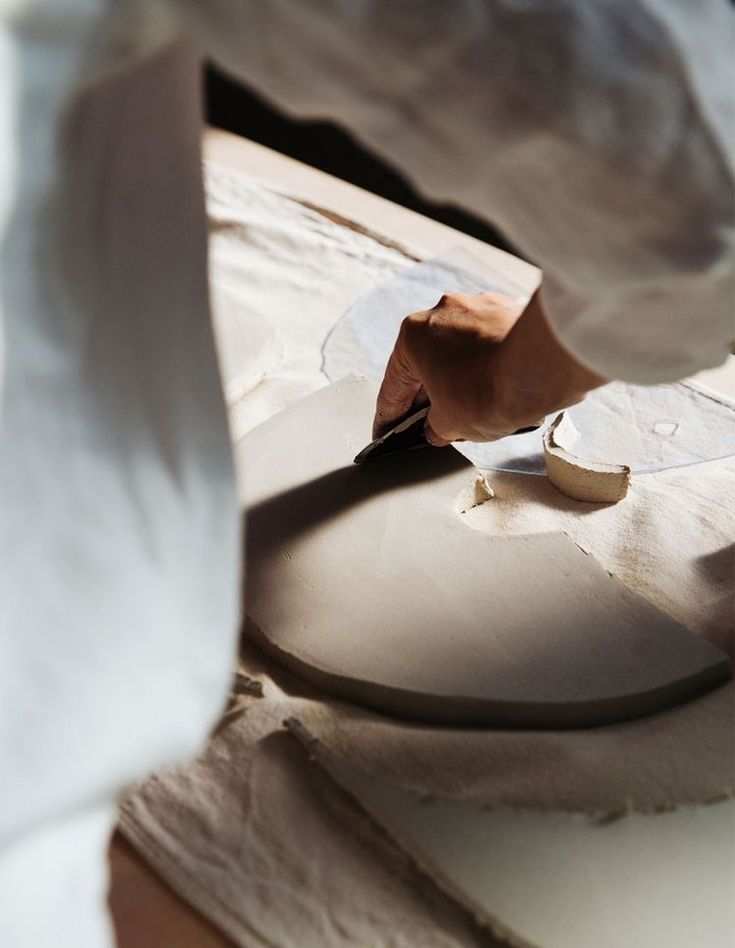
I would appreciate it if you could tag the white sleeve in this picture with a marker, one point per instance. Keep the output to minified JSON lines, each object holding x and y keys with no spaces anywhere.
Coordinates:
{"x":119,"y":527}
{"x":595,"y":135}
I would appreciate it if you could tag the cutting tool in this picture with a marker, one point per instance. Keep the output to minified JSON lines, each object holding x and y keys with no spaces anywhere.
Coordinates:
{"x":407,"y":434}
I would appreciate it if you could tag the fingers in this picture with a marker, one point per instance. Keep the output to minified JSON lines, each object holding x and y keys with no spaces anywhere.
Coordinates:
{"x":398,"y":392}
{"x":449,"y":354}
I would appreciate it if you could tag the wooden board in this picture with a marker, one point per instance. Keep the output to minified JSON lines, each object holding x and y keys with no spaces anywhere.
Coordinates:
{"x":559,"y":880}
{"x":364,"y":580}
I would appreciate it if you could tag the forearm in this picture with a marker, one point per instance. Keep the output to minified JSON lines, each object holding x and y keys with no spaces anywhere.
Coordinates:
{"x":532,"y":374}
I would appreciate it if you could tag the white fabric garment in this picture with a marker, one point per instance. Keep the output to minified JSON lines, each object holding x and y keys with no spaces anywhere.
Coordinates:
{"x":599,"y":136}
{"x":593,"y":133}
{"x":119,"y":532}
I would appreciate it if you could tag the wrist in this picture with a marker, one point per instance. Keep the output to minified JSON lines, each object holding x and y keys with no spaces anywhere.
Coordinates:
{"x":533,"y":374}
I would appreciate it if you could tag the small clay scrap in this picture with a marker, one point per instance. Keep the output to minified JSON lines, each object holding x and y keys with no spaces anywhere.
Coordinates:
{"x":478,"y":492}
{"x":589,"y":481}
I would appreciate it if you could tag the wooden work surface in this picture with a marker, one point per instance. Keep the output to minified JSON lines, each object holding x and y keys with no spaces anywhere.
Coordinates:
{"x":147,"y":914}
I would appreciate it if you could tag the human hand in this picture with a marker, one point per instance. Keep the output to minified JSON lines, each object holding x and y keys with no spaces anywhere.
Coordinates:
{"x":488,"y":367}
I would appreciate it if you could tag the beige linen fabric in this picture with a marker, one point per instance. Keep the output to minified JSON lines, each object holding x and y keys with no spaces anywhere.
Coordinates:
{"x":671,"y":540}
{"x":262,"y":843}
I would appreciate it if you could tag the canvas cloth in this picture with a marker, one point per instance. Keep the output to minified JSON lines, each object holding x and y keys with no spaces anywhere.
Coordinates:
{"x":208,"y":828}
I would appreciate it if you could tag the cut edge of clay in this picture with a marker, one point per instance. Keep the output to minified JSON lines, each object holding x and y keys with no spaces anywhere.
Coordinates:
{"x":589,"y":481}
{"x":459,"y":710}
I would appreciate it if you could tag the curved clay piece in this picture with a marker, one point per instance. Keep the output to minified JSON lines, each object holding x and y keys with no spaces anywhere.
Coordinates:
{"x":365,"y":580}
{"x":589,"y":481}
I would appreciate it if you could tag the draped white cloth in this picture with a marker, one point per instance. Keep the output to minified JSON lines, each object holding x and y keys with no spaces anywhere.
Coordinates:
{"x":597,"y":135}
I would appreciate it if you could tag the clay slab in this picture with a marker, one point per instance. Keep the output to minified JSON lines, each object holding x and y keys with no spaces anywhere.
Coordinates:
{"x":364,"y":580}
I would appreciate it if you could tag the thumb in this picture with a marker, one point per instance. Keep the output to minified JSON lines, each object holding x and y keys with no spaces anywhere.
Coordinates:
{"x":397,"y":393}
{"x":430,"y":432}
